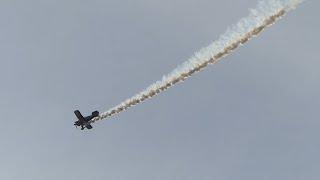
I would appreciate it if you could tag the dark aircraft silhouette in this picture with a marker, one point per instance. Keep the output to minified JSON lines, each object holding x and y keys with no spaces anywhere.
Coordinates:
{"x":84,"y":122}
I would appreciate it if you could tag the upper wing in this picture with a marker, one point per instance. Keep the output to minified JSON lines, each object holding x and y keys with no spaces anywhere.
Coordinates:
{"x":79,"y":115}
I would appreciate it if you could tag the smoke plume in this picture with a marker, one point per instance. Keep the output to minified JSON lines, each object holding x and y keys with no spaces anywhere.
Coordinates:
{"x":266,"y":13}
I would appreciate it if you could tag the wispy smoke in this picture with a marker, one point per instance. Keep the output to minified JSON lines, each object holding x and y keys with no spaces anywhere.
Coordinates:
{"x":266,"y":13}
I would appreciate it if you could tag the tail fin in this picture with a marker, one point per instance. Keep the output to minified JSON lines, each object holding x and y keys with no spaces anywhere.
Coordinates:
{"x":95,"y":113}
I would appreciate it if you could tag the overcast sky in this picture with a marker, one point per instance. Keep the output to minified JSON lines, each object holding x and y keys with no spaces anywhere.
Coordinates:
{"x":254,"y":115}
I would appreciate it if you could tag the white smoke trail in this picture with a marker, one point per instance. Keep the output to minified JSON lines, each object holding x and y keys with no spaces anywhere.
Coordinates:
{"x":266,"y":13}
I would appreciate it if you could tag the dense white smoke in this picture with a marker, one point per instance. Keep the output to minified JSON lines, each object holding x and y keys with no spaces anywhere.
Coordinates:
{"x":266,"y":13}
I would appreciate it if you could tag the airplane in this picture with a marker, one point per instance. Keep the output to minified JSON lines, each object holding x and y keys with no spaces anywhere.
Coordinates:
{"x":84,"y":122}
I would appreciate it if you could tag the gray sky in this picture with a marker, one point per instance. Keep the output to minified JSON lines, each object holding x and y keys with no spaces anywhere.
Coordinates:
{"x":254,"y":115}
